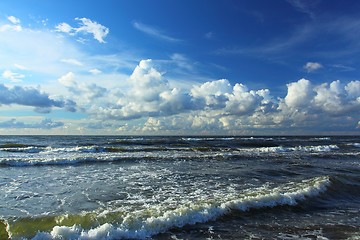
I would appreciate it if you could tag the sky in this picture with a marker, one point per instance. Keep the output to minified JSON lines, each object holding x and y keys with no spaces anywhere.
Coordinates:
{"x":180,"y":67}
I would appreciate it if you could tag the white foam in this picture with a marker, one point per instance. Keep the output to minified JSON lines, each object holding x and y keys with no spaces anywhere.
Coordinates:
{"x":356,"y":145}
{"x":23,"y":149}
{"x":149,"y":222}
{"x":320,"y":148}
{"x":82,"y":149}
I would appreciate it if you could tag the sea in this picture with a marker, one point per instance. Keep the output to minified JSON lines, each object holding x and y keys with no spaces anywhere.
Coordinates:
{"x":179,"y":187}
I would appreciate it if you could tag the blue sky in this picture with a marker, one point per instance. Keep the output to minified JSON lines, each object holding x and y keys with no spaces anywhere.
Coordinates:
{"x":229,"y":67}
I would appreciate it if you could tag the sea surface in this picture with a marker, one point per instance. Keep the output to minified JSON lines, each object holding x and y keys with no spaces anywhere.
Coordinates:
{"x":111,"y":187}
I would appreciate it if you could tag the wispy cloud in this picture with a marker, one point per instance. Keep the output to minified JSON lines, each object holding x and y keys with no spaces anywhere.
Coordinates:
{"x":154,"y":32}
{"x":342,"y":32}
{"x":72,"y":61}
{"x":209,"y":35}
{"x":343,"y":68}
{"x":86,"y":26}
{"x":305,"y":6}
{"x":13,"y":76}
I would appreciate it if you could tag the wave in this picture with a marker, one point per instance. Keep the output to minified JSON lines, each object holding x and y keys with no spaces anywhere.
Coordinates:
{"x":355,"y":145}
{"x":147,"y":222}
{"x":97,"y":154}
{"x":320,"y":138}
{"x":207,"y":138}
{"x":280,"y":149}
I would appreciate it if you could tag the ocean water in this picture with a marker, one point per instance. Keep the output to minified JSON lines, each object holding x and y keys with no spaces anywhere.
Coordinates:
{"x":111,"y":187}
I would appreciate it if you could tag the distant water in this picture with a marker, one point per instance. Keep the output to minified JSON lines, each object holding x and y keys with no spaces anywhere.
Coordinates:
{"x":110,"y":187}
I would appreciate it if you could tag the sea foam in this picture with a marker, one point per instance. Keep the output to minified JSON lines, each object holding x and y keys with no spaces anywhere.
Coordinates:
{"x":149,"y":222}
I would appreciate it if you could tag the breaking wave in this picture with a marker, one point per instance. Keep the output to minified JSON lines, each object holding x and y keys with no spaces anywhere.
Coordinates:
{"x":321,"y":148}
{"x":146,"y":222}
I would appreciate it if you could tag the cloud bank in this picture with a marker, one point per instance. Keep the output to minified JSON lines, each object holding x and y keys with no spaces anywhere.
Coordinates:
{"x":44,"y":124}
{"x":218,"y":106}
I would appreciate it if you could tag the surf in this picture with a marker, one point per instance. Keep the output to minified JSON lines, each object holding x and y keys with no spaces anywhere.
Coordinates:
{"x":152,"y":220}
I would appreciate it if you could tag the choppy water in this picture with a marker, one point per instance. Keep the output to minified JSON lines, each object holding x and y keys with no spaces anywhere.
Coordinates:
{"x":81,"y":187}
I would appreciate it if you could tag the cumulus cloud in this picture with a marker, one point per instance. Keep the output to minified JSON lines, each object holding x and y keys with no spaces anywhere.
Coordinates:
{"x":299,"y":93}
{"x":312,"y":66}
{"x":212,"y":93}
{"x":86,"y":26}
{"x":216,"y":106}
{"x":44,"y":124}
{"x":149,"y":94}
{"x":333,"y":98}
{"x":147,"y":82}
{"x":336,"y":98}
{"x":28,"y":96}
{"x":241,"y":101}
{"x":353,"y":90}
{"x":87,"y":92}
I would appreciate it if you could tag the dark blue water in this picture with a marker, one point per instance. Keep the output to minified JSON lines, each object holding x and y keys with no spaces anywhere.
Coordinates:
{"x":110,"y":187}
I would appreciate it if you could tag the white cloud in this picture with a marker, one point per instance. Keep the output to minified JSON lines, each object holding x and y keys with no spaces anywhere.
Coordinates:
{"x":151,"y":97}
{"x":337,"y":99}
{"x":309,"y":105}
{"x":218,"y":106}
{"x":14,"y":26}
{"x":13,"y":76}
{"x":312,"y":66}
{"x":212,"y":93}
{"x":147,"y":83}
{"x":152,"y":31}
{"x":86,"y":26}
{"x":19,"y":66}
{"x":83,"y":92}
{"x":65,"y":28}
{"x":299,"y":93}
{"x":13,"y":20}
{"x":353,"y":90}
{"x":7,"y":27}
{"x":241,"y":101}
{"x":72,"y":61}
{"x":68,"y":79}
{"x":95,"y":71}
{"x":99,"y":31}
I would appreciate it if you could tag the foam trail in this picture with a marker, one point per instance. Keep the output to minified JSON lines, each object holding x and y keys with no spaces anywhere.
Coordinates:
{"x":149,"y":222}
{"x":320,"y":148}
